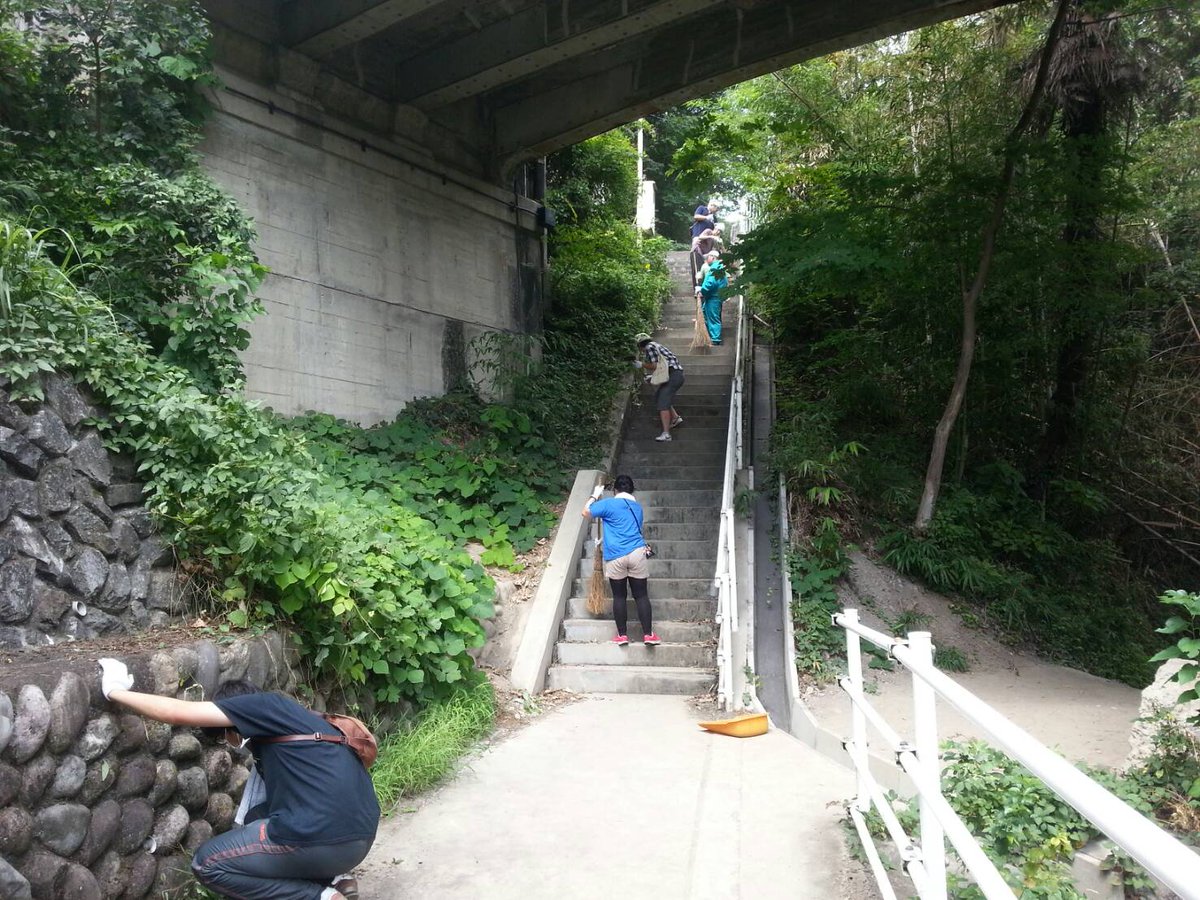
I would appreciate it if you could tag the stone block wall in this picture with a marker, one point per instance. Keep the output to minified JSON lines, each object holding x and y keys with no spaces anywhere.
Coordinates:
{"x":97,"y":803}
{"x":79,"y":556}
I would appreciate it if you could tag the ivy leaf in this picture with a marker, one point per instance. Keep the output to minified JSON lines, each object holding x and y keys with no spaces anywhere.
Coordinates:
{"x":1173,"y":626}
{"x":1190,"y":647}
{"x":178,"y":66}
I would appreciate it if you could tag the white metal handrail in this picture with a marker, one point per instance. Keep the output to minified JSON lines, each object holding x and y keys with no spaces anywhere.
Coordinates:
{"x":1162,"y":854}
{"x":725,"y":577}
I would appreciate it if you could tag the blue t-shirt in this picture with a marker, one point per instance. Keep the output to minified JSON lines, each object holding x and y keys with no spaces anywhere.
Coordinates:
{"x":622,"y":525}
{"x":317,"y":793}
{"x":698,"y":227}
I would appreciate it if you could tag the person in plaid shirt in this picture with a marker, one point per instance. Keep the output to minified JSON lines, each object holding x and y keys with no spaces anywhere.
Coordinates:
{"x":655,"y":355}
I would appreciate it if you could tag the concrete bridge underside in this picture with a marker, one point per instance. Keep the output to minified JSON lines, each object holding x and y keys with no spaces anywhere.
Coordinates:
{"x":380,"y":147}
{"x":503,"y":81}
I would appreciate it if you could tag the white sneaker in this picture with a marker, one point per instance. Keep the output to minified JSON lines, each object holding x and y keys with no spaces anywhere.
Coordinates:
{"x":677,"y":421}
{"x":665,"y":436}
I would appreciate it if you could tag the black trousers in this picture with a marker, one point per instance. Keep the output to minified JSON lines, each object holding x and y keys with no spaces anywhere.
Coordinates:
{"x":641,"y":596}
{"x":245,"y":863}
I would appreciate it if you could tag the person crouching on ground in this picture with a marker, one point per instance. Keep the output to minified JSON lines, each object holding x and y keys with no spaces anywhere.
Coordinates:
{"x":715,"y":281}
{"x":320,"y":814}
{"x":626,"y":556}
{"x":655,"y":355}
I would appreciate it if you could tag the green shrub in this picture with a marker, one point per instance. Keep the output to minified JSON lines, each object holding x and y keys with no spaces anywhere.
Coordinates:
{"x":814,"y":569}
{"x":375,"y":594}
{"x":488,"y":480}
{"x":1032,"y":835}
{"x":992,"y":544}
{"x":593,"y":180}
{"x":951,"y":659}
{"x":1187,"y":646}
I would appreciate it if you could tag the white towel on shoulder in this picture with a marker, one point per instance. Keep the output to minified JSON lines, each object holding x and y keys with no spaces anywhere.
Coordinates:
{"x":254,"y":793}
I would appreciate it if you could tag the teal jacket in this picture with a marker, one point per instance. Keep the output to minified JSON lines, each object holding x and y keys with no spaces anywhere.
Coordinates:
{"x":714,"y":282}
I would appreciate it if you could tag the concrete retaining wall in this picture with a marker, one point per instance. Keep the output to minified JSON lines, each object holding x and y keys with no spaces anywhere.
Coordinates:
{"x":381,"y":269}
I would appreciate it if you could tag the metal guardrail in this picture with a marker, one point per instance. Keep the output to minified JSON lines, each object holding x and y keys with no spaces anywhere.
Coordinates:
{"x":725,"y":578}
{"x":1163,"y":855}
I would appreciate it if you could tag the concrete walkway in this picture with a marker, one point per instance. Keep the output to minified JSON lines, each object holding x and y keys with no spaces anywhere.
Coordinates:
{"x":623,"y":795}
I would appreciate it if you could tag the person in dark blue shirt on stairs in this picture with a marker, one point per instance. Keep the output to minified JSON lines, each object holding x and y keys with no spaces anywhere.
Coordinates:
{"x":626,"y":556}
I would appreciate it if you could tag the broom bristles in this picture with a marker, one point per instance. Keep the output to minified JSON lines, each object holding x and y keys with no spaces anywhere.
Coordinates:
{"x":700,"y":338}
{"x":597,"y":596}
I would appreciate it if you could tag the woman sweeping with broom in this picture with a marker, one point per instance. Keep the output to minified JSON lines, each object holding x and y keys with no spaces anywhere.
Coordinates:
{"x":715,"y":281}
{"x":626,"y":556}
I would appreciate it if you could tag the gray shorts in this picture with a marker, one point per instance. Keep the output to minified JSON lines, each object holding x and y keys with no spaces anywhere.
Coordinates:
{"x":631,"y":565}
{"x":668,"y":389}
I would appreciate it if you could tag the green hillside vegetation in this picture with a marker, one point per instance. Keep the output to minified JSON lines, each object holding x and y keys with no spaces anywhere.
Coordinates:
{"x":936,"y":182}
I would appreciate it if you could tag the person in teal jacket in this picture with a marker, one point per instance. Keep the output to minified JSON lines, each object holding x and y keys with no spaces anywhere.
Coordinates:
{"x":710,"y":299}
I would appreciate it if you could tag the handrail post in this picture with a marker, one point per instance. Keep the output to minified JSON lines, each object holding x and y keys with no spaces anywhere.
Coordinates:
{"x":858,"y":721}
{"x":933,"y":843}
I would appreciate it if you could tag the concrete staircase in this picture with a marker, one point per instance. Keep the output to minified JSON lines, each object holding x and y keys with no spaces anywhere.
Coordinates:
{"x":679,"y":486}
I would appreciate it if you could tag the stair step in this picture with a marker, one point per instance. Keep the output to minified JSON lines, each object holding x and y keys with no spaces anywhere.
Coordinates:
{"x":689,"y":532}
{"x":702,"y":515}
{"x":652,"y":474}
{"x":711,"y":482}
{"x":693,"y":446}
{"x":630,"y":679}
{"x":697,"y":450}
{"x":711,"y":428}
{"x":653,"y":498}
{"x":606,"y":653}
{"x":599,"y":630}
{"x":665,"y":600}
{"x":704,"y":548}
{"x":665,"y":568}
{"x":694,"y":410}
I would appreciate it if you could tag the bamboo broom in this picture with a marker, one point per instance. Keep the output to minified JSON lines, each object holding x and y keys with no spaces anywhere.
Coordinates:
{"x":598,"y":600}
{"x":700,"y":338}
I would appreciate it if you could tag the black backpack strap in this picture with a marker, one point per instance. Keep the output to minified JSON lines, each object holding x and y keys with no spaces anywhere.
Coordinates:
{"x":636,"y":520}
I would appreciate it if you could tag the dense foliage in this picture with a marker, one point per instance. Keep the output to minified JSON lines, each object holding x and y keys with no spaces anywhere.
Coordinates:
{"x":1032,"y":835}
{"x":1072,"y":483}
{"x":99,"y":114}
{"x":607,"y":283}
{"x":375,"y":594}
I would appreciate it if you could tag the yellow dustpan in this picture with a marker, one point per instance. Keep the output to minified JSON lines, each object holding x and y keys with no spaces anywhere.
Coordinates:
{"x":748,"y":725}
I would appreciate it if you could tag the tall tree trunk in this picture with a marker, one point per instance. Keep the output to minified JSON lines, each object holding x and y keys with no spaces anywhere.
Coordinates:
{"x":966,"y":352}
{"x":1084,"y":125}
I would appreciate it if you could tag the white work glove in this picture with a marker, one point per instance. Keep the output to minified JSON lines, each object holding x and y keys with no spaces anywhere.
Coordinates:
{"x":637,"y":363}
{"x":597,"y":492}
{"x":114,"y":676}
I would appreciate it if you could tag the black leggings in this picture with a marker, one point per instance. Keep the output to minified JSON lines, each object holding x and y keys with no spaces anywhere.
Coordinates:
{"x":641,"y":596}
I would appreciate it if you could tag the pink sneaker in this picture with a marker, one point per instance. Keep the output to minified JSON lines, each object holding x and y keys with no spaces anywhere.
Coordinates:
{"x":621,"y":640}
{"x":652,"y":640}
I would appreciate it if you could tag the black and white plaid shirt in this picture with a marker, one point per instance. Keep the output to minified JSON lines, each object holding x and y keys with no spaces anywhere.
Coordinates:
{"x":655,"y":350}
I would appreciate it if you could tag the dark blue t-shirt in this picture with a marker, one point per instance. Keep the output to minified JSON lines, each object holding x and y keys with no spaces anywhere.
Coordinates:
{"x":317,"y":793}
{"x":698,"y":227}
